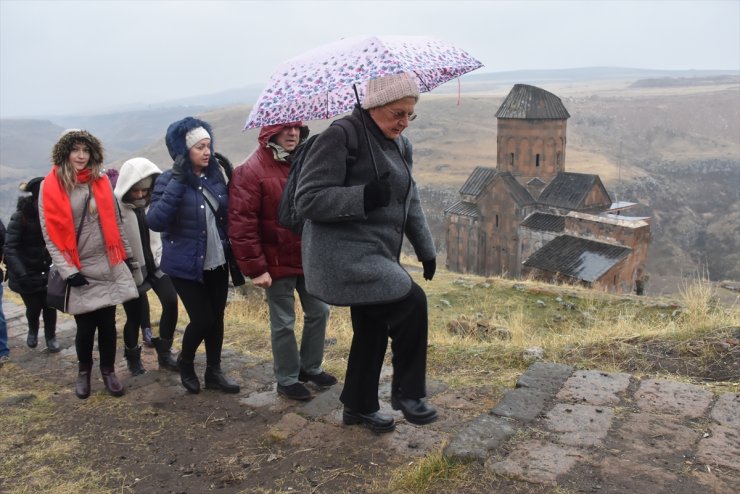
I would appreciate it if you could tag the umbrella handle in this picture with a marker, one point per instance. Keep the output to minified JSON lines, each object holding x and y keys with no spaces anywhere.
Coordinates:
{"x":367,"y":135}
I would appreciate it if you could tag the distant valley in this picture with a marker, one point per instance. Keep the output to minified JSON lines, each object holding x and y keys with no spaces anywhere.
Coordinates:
{"x":668,"y":141}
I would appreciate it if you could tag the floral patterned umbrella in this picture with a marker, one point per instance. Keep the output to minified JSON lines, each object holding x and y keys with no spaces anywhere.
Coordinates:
{"x":321,"y":83}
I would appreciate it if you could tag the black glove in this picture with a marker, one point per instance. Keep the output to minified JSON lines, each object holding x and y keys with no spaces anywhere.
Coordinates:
{"x":377,"y":193}
{"x":430,"y":267}
{"x":77,"y":280}
{"x":178,"y":168}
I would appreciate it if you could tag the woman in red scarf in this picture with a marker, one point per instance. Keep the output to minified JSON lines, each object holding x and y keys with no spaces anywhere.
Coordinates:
{"x":83,"y":234}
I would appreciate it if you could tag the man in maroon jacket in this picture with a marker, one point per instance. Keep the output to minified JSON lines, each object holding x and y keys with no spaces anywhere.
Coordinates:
{"x":271,"y":256}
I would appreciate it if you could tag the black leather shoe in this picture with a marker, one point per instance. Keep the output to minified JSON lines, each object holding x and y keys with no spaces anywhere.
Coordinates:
{"x":375,"y":421}
{"x":322,"y":379}
{"x":416,"y":410}
{"x":215,"y":379}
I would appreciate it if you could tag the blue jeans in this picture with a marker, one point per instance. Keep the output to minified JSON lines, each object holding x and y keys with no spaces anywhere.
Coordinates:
{"x":287,"y":360}
{"x":4,"y":350}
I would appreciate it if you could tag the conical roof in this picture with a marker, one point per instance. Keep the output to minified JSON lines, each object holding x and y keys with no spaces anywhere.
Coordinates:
{"x":530,"y":102}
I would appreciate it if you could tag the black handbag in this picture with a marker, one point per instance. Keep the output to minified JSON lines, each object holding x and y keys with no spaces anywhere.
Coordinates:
{"x":57,"y":289}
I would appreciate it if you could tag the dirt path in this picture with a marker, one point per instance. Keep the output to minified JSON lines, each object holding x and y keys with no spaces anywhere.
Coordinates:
{"x":561,"y":430}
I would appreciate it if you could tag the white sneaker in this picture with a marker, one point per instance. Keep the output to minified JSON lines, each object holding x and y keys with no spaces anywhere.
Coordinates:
{"x":3,"y":359}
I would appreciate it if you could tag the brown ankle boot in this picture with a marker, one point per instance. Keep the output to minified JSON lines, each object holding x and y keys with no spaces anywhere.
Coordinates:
{"x":82,"y":386}
{"x":112,"y":384}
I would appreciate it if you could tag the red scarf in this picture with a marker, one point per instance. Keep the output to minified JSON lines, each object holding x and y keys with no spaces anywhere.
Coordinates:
{"x":60,"y":224}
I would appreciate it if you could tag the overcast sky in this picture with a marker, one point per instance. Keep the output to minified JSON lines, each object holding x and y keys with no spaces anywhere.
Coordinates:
{"x":61,"y":57}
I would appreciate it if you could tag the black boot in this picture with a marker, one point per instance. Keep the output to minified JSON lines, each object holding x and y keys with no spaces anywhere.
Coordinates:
{"x":52,"y":345}
{"x":164,"y":354}
{"x":133,"y":360}
{"x":33,"y":338}
{"x":188,"y":377}
{"x":82,"y":386}
{"x":215,"y":379}
{"x":112,"y":384}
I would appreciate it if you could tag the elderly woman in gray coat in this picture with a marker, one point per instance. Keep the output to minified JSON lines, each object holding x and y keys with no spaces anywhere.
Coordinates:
{"x":360,"y":216}
{"x":82,"y":229}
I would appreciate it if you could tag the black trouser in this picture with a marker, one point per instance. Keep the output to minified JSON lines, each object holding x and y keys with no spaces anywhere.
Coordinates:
{"x":205,"y":304}
{"x":36,"y":306}
{"x":405,"y":322}
{"x":104,"y":320}
{"x":136,"y":308}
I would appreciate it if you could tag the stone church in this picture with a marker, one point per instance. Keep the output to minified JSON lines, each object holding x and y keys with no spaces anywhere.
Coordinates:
{"x":529,"y":217}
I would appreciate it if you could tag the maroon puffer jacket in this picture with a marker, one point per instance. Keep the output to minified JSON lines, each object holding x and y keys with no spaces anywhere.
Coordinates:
{"x":258,"y":241}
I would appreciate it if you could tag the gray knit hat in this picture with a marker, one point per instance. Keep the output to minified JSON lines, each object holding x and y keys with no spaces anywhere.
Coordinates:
{"x":390,"y":88}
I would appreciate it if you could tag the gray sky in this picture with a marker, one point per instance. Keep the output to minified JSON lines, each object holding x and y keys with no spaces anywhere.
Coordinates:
{"x":62,"y":57}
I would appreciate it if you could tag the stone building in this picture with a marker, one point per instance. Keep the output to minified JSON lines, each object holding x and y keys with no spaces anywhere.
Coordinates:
{"x":530,"y":217}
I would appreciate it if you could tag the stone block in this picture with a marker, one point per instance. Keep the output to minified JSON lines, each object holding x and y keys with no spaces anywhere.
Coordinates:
{"x":594,"y":387}
{"x":545,"y":377}
{"x":672,"y":398}
{"x":726,"y":410}
{"x":721,"y":448}
{"x":479,"y":438}
{"x":537,"y":461}
{"x":521,"y":404}
{"x":579,"y":425}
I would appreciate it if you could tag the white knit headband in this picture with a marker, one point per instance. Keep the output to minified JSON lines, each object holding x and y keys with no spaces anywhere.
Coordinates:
{"x":196,"y":135}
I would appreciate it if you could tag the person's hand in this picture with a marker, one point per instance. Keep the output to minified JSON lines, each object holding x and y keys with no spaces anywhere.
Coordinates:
{"x":263,"y":281}
{"x":430,"y":267}
{"x":77,"y":280}
{"x":178,"y":168}
{"x":377,"y":193}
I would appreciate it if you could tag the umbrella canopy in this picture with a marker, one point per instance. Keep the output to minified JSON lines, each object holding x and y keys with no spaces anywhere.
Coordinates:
{"x":321,"y":83}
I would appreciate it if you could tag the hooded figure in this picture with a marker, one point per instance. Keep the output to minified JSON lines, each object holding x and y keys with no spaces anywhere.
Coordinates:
{"x":189,"y":207}
{"x":134,"y":185}
{"x":271,"y":256}
{"x":80,"y":220}
{"x":28,"y":264}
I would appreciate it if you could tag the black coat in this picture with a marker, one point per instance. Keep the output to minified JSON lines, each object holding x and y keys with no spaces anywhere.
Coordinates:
{"x":26,"y":256}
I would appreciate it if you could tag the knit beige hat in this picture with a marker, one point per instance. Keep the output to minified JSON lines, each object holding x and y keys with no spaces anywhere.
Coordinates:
{"x":390,"y":88}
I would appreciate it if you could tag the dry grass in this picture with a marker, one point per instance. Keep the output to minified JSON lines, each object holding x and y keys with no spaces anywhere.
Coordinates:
{"x":676,"y":338}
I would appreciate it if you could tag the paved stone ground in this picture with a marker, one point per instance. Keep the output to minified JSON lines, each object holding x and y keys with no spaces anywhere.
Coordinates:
{"x":619,"y":433}
{"x":588,"y":430}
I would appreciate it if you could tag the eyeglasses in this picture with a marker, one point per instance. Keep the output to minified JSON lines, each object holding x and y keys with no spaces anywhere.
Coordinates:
{"x":400,"y":115}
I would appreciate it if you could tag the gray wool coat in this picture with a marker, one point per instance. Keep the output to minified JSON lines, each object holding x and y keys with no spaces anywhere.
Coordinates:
{"x":108,"y":285}
{"x":350,"y":258}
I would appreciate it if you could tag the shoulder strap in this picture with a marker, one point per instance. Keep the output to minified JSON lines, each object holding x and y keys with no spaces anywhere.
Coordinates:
{"x":350,"y":132}
{"x":84,"y":213}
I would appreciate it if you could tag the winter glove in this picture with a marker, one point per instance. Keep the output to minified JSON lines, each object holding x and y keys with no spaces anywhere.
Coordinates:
{"x":430,"y":267}
{"x":178,"y":168}
{"x":377,"y":193}
{"x":77,"y":280}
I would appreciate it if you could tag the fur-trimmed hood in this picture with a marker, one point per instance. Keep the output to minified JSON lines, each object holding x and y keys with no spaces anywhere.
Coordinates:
{"x":61,"y":150}
{"x":176,"y":132}
{"x":133,"y":171}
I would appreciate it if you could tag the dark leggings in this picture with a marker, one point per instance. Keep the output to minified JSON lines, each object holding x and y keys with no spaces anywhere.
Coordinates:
{"x":36,"y":306}
{"x":405,"y":322}
{"x":205,"y":304}
{"x":104,"y":320}
{"x":136,"y":308}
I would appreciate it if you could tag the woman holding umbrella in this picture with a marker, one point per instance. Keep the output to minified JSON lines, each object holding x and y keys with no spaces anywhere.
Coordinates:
{"x":361,"y":213}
